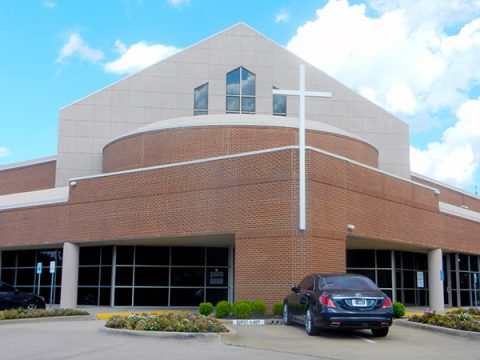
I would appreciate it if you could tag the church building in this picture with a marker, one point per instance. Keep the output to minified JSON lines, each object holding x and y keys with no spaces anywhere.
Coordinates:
{"x":229,"y":171}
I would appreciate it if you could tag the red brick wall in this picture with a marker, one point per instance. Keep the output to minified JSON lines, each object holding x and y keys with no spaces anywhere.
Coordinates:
{"x":176,"y":145}
{"x":254,"y":198}
{"x":382,"y":207}
{"x":28,"y":178}
{"x":451,"y":196}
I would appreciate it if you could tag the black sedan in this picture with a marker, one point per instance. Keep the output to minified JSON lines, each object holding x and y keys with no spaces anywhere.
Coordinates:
{"x":332,"y":301}
{"x":12,"y":298}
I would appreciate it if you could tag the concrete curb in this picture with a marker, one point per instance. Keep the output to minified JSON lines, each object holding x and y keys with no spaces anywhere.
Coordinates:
{"x":266,"y":321}
{"x":462,"y":333}
{"x":160,"y":334}
{"x":48,"y":318}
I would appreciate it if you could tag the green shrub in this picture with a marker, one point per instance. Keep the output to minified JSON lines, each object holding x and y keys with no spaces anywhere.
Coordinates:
{"x":242,"y":309}
{"x":223,"y":309}
{"x":277,"y":309}
{"x":258,"y":307}
{"x":177,"y":322}
{"x":398,"y":309}
{"x":205,"y":308}
{"x":38,"y":313}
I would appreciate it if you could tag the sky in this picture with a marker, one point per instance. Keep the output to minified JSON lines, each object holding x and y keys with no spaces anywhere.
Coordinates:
{"x":420,"y":60}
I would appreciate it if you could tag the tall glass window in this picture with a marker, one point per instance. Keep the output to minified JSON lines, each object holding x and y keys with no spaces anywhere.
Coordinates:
{"x":95,"y":275}
{"x":170,"y":276}
{"x":19,"y":268}
{"x":200,"y":100}
{"x":240,"y":91}
{"x":279,"y":104}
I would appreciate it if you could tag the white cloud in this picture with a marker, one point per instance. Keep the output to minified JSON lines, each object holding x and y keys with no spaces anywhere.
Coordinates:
{"x":49,"y":4}
{"x":138,"y":56}
{"x":282,"y":16}
{"x":417,"y":59}
{"x":4,"y":152}
{"x":178,"y":3}
{"x":76,"y":46}
{"x":405,"y":45}
{"x":455,"y":158}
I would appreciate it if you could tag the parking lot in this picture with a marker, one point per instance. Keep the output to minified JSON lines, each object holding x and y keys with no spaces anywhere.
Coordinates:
{"x":82,"y":339}
{"x":401,"y":343}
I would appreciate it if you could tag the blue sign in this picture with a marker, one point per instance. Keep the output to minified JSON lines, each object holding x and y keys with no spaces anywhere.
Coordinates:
{"x":442,"y":277}
{"x":39,"y":268}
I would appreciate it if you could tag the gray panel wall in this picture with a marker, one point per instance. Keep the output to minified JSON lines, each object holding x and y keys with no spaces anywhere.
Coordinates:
{"x":165,"y":91}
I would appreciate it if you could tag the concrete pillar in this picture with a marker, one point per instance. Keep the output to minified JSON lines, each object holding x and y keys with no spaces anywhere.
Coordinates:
{"x":435,"y":283}
{"x":68,"y":298}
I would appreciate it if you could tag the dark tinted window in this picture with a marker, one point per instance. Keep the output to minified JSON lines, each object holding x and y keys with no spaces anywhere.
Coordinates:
{"x":90,"y":256}
{"x":384,"y":259}
{"x":217,"y":256}
{"x":188,"y":256}
{"x":463,"y":262}
{"x":26,"y":258}
{"x":361,"y":259}
{"x":125,"y":255}
{"x":152,"y":255}
{"x":347,"y":283}
{"x":9,"y":258}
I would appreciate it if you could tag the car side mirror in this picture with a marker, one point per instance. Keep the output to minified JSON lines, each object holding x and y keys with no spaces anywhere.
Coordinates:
{"x":295,"y":288}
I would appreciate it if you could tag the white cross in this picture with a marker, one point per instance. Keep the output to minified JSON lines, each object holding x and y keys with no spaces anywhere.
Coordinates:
{"x":301,"y":139}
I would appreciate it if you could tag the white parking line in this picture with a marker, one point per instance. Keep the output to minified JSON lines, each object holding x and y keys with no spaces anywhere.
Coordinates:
{"x":367,"y":340}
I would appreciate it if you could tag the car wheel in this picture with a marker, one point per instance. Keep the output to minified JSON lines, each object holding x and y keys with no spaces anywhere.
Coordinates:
{"x":380,"y":332}
{"x":31,"y":305}
{"x":286,"y":315}
{"x":309,"y":327}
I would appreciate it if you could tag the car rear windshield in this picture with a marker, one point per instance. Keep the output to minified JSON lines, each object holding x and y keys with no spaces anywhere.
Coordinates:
{"x":348,"y":283}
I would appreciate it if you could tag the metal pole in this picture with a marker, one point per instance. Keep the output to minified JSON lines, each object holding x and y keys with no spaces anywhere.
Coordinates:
{"x":38,"y":288}
{"x":51,"y":290}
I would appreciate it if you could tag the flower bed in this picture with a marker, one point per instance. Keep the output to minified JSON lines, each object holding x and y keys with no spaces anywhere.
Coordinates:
{"x":459,"y":319}
{"x":175,"y":322}
{"x":38,"y":313}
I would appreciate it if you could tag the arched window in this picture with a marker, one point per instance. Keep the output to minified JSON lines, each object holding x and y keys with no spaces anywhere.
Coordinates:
{"x":200,"y":100}
{"x":240,"y":91}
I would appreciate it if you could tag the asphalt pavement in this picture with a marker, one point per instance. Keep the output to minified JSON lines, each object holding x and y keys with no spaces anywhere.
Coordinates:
{"x":85,"y":339}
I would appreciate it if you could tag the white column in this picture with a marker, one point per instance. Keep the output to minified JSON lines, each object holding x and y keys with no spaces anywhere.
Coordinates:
{"x":435,"y":283}
{"x":68,"y":298}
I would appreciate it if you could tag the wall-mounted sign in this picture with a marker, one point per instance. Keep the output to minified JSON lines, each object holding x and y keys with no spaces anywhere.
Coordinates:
{"x":216,"y":277}
{"x":420,"y":279}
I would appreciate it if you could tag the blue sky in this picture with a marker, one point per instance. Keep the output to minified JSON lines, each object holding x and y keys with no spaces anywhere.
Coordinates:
{"x":418,"y":60}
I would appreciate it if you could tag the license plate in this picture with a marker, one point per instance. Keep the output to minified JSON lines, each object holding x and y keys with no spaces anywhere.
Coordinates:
{"x":359,"y":302}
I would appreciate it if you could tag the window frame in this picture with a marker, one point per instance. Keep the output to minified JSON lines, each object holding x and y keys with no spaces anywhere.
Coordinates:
{"x":241,"y":96}
{"x":198,"y":111}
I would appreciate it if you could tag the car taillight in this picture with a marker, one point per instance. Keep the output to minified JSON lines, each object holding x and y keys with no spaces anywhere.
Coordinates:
{"x":327,"y":301}
{"x":387,"y":303}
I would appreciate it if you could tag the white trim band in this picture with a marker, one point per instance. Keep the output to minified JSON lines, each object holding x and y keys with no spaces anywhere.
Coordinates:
{"x":459,"y":211}
{"x":34,"y":198}
{"x":27,"y":163}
